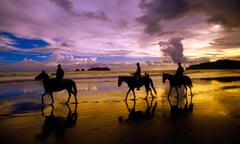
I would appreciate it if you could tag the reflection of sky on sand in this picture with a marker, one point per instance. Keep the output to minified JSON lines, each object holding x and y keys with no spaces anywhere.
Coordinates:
{"x":9,"y":90}
{"x":215,"y":113}
{"x":217,"y":98}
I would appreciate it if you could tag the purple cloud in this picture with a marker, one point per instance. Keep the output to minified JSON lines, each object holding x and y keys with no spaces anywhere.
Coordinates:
{"x":156,"y":12}
{"x":173,"y":48}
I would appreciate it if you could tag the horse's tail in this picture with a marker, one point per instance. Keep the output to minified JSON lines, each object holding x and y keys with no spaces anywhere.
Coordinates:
{"x":74,"y":88}
{"x":191,"y":85}
{"x":152,"y":85}
{"x":189,"y":81}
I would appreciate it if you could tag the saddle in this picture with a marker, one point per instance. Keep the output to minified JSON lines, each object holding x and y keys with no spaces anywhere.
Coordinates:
{"x":179,"y":80}
{"x":58,"y":83}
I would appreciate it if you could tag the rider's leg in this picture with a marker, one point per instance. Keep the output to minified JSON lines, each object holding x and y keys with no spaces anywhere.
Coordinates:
{"x":137,"y":80}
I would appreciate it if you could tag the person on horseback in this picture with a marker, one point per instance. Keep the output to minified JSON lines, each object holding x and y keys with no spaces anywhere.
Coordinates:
{"x":138,"y":74}
{"x":59,"y":73}
{"x":179,"y":74}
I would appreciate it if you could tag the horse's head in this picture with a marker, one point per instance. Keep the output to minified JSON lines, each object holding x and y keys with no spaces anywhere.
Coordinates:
{"x":164,"y":77}
{"x":42,"y":76}
{"x":119,"y":81}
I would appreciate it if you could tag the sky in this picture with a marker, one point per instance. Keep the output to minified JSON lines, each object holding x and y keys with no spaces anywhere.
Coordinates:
{"x":36,"y":35}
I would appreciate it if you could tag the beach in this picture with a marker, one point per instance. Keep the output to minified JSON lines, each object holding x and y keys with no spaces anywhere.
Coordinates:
{"x":102,"y":115}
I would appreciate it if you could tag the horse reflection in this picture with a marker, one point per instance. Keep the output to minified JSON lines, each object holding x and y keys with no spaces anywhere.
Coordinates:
{"x":57,"y":124}
{"x":176,"y":110}
{"x":135,"y":116}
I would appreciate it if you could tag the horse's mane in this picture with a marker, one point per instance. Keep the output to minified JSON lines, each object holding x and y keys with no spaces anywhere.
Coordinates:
{"x":167,"y":74}
{"x":45,"y":74}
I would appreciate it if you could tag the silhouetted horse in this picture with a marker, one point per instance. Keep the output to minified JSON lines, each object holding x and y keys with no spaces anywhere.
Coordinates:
{"x":187,"y":82}
{"x":57,"y":124}
{"x":132,"y":84}
{"x":53,"y":85}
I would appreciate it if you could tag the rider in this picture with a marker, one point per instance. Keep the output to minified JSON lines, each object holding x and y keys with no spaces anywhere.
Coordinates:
{"x":179,"y":74}
{"x":138,"y":74}
{"x":59,"y":73}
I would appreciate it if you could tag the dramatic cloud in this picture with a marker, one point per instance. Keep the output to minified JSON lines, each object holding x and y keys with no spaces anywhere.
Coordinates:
{"x":157,"y":12}
{"x":221,"y":11}
{"x":213,"y":24}
{"x":173,"y":48}
{"x":68,"y":6}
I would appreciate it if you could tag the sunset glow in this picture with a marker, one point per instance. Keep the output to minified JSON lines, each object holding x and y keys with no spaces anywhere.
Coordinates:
{"x":35,"y":35}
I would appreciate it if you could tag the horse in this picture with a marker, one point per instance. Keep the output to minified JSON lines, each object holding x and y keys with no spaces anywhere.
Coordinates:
{"x":132,"y":84}
{"x":186,"y":81}
{"x":53,"y":85}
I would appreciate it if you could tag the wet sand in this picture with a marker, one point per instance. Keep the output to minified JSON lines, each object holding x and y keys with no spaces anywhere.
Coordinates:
{"x":102,"y":116}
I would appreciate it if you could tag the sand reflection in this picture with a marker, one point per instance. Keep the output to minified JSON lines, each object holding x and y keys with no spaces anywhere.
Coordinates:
{"x":139,"y":115}
{"x":56,"y":125}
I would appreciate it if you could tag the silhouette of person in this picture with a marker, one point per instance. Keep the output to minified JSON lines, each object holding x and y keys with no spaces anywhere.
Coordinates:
{"x":138,"y":70}
{"x":179,"y":73}
{"x":59,"y":73}
{"x":138,"y":74}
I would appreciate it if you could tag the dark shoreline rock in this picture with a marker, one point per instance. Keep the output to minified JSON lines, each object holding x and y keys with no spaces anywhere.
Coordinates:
{"x":99,"y":69}
{"x":220,"y":64}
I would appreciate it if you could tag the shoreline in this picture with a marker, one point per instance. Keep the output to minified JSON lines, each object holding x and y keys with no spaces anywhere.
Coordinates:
{"x":92,"y":75}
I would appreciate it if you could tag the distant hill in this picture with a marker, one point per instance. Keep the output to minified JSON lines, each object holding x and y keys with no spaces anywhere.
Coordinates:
{"x":99,"y":69}
{"x":220,"y":64}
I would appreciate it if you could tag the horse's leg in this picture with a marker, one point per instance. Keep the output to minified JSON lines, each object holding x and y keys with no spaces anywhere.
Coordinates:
{"x":43,"y":96}
{"x":185,"y":86}
{"x":69,"y":96}
{"x":76,"y":101}
{"x":74,"y":92}
{"x":177,"y":91}
{"x":134,"y":94}
{"x":127,"y":94}
{"x":169,"y":92}
{"x":147,"y":90}
{"x":151,"y":93}
{"x":186,"y":94}
{"x":191,"y":93}
{"x":51,"y":95}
